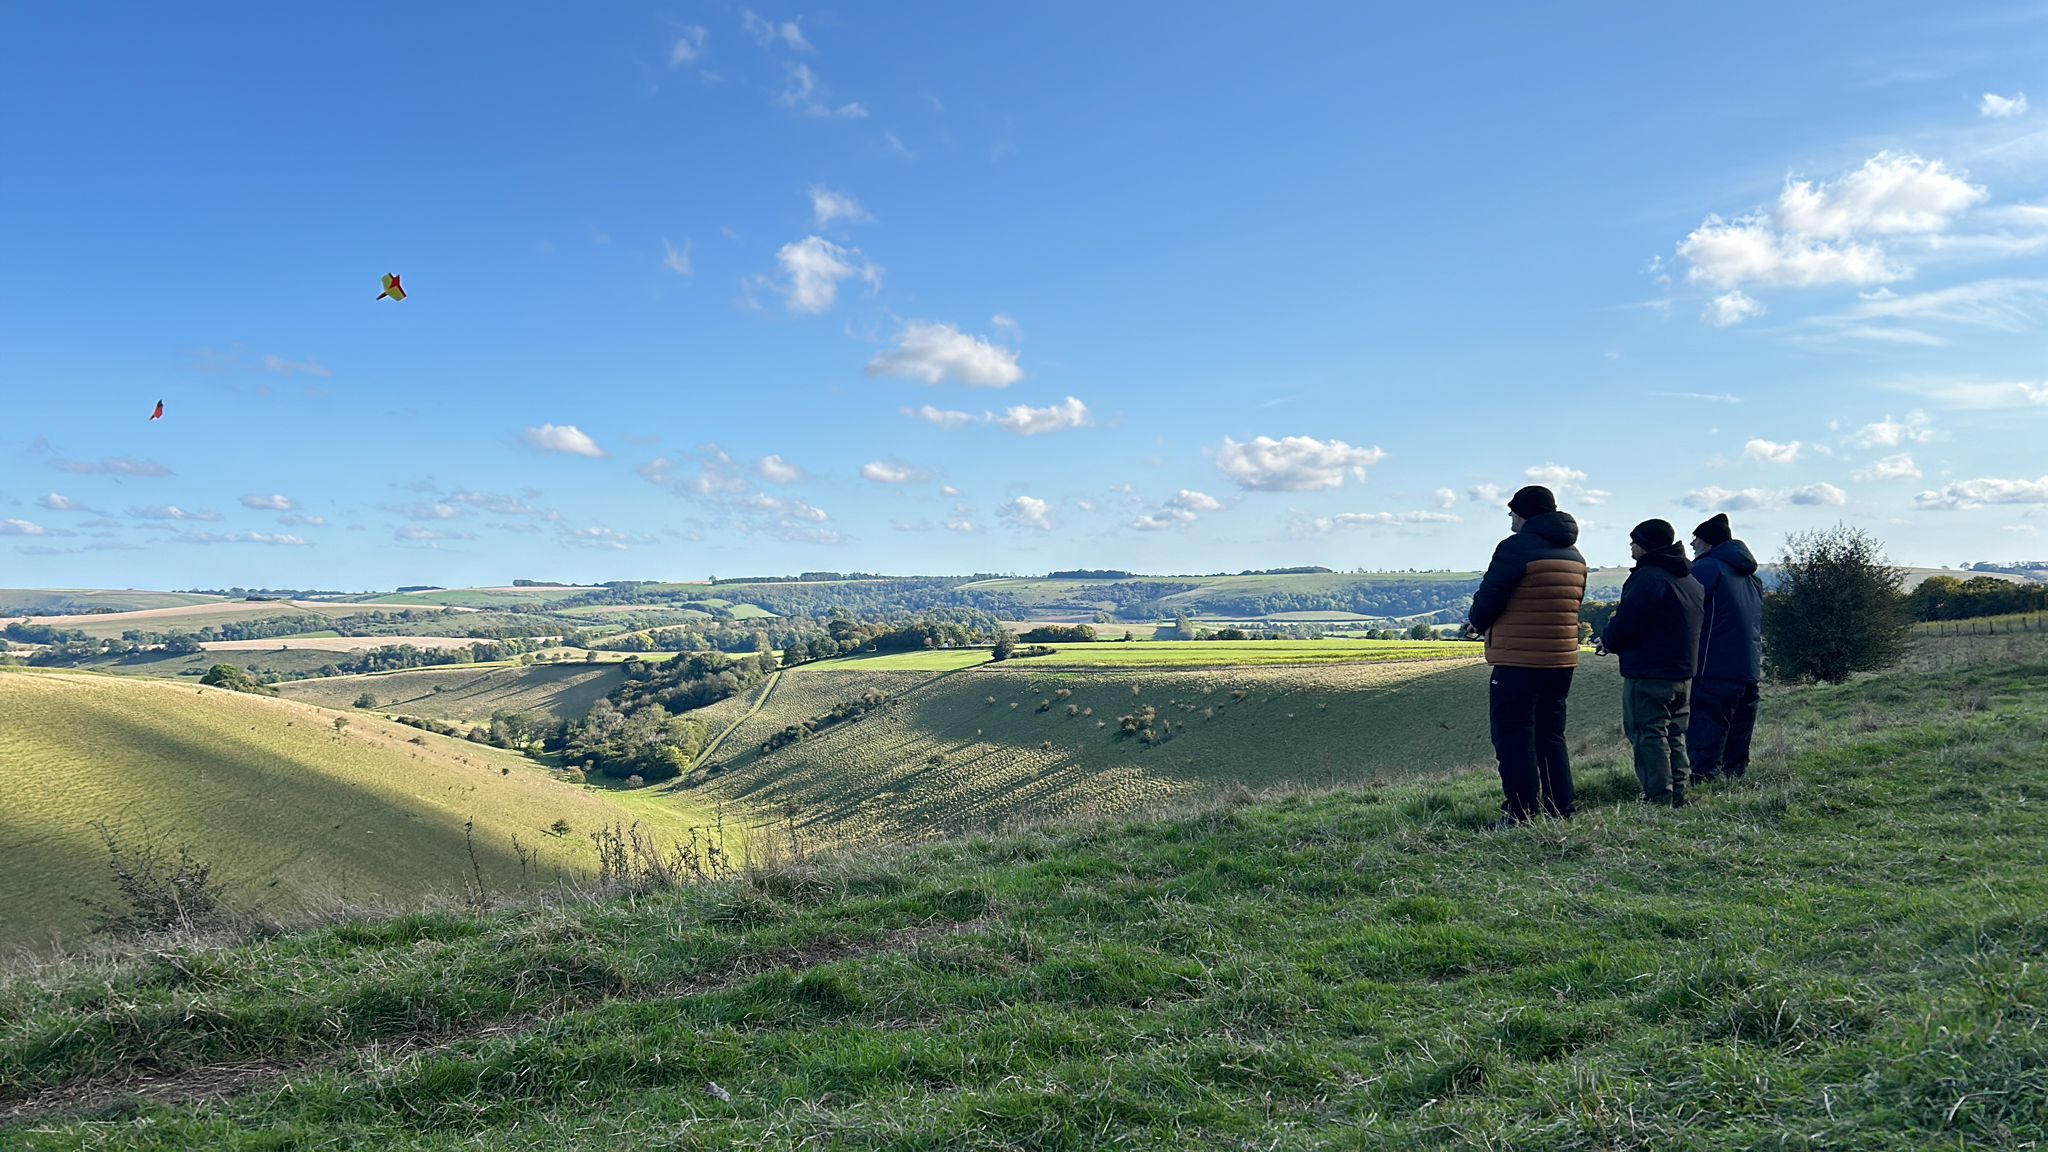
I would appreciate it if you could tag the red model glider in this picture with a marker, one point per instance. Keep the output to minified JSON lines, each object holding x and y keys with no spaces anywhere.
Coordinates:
{"x":159,"y":413}
{"x":392,"y":287}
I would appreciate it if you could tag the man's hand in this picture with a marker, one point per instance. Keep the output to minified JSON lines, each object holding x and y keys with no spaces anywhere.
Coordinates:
{"x":1599,"y":646}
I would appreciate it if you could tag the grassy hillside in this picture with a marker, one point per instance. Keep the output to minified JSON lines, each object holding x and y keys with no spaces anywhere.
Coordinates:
{"x":268,"y":790}
{"x":972,"y":749}
{"x":468,"y":692}
{"x":39,"y":601}
{"x":1844,"y":951}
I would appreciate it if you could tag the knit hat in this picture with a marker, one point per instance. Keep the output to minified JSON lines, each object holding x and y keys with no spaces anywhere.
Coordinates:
{"x":1654,"y":534}
{"x":1714,"y":530}
{"x":1532,"y":501}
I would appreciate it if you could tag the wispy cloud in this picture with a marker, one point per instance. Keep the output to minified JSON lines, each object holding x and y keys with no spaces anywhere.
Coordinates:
{"x":1732,"y":308}
{"x":1916,"y":428}
{"x":768,"y":33}
{"x":776,"y":470}
{"x":271,"y":503}
{"x":290,"y":367}
{"x":21,"y":528}
{"x":2002,"y":107}
{"x":828,"y":207}
{"x":947,"y":418}
{"x":1185,"y":507}
{"x":112,"y":466}
{"x":689,"y":45}
{"x":1898,"y":466}
{"x":676,"y":260}
{"x":1772,"y":452}
{"x":1986,"y":394}
{"x":1716,"y":499}
{"x":1380,"y":520}
{"x":1966,"y":494}
{"x":884,"y":472}
{"x":58,"y":502}
{"x":172,"y":512}
{"x":414,"y":534}
{"x":806,"y":96}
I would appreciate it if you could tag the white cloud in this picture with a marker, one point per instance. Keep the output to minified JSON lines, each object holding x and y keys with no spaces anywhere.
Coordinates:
{"x":1007,"y":324}
{"x":1028,"y":421}
{"x":1594,"y":496}
{"x":274,"y":503}
{"x":21,"y":528}
{"x":1293,"y":463}
{"x":58,"y":502}
{"x":815,"y":266}
{"x":1027,"y":512}
{"x":688,"y":46}
{"x":1193,"y":501}
{"x":934,"y":353}
{"x":172,"y":512}
{"x":776,"y":470}
{"x":1827,"y":232}
{"x":947,"y":418}
{"x":1888,"y":433}
{"x":564,"y":438}
{"x":1731,"y":308}
{"x":600,"y":538}
{"x":1554,"y":475}
{"x":1726,"y":254}
{"x":960,"y":525}
{"x":882,"y":472}
{"x":1893,"y":194}
{"x":1713,"y":397}
{"x":1446,"y":498}
{"x":1772,"y":452}
{"x":949,"y":490}
{"x":676,"y":260}
{"x":805,"y":95}
{"x":279,"y":539}
{"x":2001,"y":107}
{"x":1716,"y":499}
{"x":1895,"y":467}
{"x":301,"y":518}
{"x":1183,"y":508}
{"x":1380,"y":519}
{"x":827,"y":206}
{"x":112,"y":466}
{"x":1823,"y":493}
{"x":1978,"y":493}
{"x":1487,"y":494}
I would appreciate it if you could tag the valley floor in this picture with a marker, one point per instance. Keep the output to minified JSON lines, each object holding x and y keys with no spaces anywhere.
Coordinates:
{"x":1844,"y":951}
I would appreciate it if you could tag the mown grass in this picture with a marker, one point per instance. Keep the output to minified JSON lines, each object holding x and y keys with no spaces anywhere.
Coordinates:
{"x":1845,"y":951}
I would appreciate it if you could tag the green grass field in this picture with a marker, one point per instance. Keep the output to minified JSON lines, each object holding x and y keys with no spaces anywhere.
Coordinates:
{"x":468,"y":692}
{"x":975,"y":748}
{"x":1842,"y":952}
{"x":2022,"y":622}
{"x":268,"y":790}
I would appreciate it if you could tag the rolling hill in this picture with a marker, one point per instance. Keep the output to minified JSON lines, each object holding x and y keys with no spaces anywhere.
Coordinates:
{"x":286,"y":806}
{"x":468,"y":693}
{"x":980,"y":746}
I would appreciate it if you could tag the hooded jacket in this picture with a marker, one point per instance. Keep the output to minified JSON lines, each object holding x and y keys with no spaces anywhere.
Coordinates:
{"x":1527,"y":604}
{"x":1656,"y":627}
{"x":1732,"y":634}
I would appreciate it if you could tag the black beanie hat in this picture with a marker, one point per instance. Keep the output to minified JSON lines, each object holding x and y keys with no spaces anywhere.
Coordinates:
{"x":1654,"y":534}
{"x":1714,"y":530}
{"x":1532,"y":501}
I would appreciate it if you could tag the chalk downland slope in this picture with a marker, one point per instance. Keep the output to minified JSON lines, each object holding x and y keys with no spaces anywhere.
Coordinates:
{"x":982,"y":746}
{"x":468,"y":693}
{"x":267,"y":790}
{"x":1843,"y":951}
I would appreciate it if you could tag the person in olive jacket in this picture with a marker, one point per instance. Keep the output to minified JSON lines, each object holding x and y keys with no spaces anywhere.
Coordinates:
{"x":1724,"y":683}
{"x":1527,"y":607}
{"x":1656,"y":630}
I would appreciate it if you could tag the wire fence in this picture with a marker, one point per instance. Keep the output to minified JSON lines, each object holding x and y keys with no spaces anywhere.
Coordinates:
{"x":1987,"y":626}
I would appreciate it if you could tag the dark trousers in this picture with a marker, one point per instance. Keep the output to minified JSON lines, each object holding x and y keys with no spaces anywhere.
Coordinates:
{"x":1527,"y":708}
{"x":1723,"y":718}
{"x":1654,"y":715}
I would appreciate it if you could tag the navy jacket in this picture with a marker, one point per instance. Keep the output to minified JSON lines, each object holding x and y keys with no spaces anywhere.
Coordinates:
{"x":1732,"y":635}
{"x":1656,"y":627}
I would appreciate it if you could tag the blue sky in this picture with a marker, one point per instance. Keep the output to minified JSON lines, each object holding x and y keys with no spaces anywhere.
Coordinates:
{"x":729,"y":289}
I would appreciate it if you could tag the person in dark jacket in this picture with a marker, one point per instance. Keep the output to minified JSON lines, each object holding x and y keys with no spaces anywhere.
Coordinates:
{"x":1527,"y":608}
{"x":1724,"y":683}
{"x":1656,"y":630}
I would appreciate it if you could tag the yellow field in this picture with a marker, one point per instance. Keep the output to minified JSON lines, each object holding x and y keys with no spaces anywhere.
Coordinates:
{"x":286,"y":807}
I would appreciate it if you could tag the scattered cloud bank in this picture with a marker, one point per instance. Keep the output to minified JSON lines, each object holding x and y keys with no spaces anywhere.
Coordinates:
{"x":1716,"y":499}
{"x":1293,"y":463}
{"x":1965,"y":494}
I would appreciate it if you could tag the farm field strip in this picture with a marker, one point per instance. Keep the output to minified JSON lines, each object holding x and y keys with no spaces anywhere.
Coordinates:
{"x":1179,"y":653}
